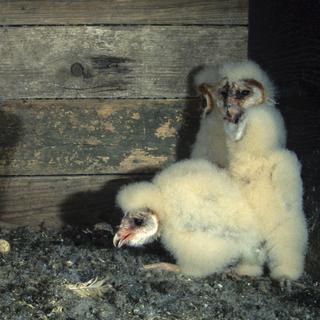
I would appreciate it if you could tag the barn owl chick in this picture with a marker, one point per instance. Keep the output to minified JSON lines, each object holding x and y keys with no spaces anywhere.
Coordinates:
{"x":267,"y":174}
{"x":229,"y":92}
{"x":200,"y":216}
{"x":210,"y":143}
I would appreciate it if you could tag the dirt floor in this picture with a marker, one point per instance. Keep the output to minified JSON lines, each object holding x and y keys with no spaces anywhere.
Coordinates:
{"x":41,"y":274}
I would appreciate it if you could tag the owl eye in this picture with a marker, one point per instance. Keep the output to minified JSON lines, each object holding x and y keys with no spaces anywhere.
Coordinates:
{"x":244,"y":93}
{"x":138,"y":222}
{"x":240,"y":94}
{"x":224,"y":94}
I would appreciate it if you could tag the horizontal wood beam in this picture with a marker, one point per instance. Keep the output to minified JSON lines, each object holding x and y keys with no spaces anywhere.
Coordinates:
{"x":35,"y":12}
{"x":55,"y":201}
{"x":56,"y":137}
{"x":111,"y":62}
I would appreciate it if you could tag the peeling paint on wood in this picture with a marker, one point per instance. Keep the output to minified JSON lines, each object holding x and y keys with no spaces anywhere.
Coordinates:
{"x":111,"y":61}
{"x":166,"y":130}
{"x":49,"y":137}
{"x":143,"y":159}
{"x":122,"y":59}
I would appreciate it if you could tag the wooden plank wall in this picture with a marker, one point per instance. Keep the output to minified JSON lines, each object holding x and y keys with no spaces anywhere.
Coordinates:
{"x":284,"y":37}
{"x":94,"y":94}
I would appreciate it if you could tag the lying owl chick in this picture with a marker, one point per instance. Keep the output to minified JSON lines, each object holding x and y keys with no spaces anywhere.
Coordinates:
{"x":200,"y":217}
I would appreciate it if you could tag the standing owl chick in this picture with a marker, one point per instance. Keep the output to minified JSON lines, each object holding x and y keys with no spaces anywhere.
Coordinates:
{"x":210,"y":143}
{"x":238,"y":85}
{"x":267,"y":174}
{"x":200,"y":216}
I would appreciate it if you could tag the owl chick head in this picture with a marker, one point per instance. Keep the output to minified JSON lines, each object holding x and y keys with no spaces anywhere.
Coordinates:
{"x":137,"y":228}
{"x":235,"y":87}
{"x":141,"y":203}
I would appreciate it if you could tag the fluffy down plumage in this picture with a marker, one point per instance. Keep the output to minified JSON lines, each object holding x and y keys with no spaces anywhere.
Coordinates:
{"x":267,"y":174}
{"x":210,"y":141}
{"x":203,"y":220}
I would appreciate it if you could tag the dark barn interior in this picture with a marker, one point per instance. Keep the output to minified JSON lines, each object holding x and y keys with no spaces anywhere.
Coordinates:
{"x":97,"y":94}
{"x":284,"y":37}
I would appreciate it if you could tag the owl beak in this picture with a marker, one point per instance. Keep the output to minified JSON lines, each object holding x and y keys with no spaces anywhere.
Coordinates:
{"x":122,"y":237}
{"x":232,"y":113}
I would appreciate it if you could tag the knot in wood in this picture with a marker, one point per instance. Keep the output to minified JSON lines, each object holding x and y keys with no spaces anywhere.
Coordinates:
{"x":77,"y":69}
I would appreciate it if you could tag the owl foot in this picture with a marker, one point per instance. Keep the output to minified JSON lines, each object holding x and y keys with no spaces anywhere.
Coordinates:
{"x":249,"y":270}
{"x":285,"y":285}
{"x":162,"y":266}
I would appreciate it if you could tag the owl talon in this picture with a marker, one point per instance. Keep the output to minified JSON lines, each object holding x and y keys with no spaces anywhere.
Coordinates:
{"x":285,"y":285}
{"x":162,"y":266}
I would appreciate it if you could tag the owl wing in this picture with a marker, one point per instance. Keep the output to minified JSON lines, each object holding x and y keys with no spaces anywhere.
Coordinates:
{"x":286,"y":180}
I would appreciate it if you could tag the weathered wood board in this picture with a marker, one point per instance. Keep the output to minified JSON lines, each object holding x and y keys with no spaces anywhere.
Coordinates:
{"x":54,"y":201}
{"x":111,"y":61}
{"x":108,"y":95}
{"x":50,"y":137}
{"x":122,"y":12}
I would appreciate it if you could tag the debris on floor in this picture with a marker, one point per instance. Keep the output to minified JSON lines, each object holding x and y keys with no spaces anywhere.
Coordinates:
{"x":77,"y":274}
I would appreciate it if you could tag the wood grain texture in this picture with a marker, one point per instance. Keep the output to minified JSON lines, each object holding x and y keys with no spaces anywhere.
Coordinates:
{"x":110,"y":62}
{"x":15,"y":12}
{"x":93,"y":136}
{"x":55,"y":201}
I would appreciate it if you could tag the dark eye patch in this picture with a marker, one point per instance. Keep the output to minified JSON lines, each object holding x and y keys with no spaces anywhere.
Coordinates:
{"x":138,"y":222}
{"x":224,"y":91}
{"x":240,"y":94}
{"x":224,"y":94}
{"x":244,"y":93}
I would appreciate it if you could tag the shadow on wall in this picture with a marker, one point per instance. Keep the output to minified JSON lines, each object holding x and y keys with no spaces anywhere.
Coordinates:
{"x":191,"y":118}
{"x":88,"y":208}
{"x":10,"y":134}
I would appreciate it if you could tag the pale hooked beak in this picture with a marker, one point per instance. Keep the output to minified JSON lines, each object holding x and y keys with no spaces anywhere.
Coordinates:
{"x":232,"y":113}
{"x":116,"y":241}
{"x":121,"y":237}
